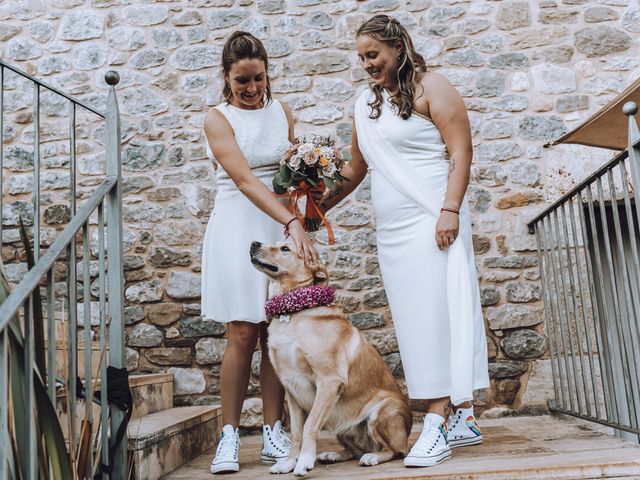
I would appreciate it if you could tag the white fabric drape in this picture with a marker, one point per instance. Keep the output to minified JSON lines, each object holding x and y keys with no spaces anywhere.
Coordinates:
{"x":381,"y":155}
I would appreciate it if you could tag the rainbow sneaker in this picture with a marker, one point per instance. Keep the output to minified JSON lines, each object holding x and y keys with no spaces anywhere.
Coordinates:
{"x":463,"y":428}
{"x":431,"y":447}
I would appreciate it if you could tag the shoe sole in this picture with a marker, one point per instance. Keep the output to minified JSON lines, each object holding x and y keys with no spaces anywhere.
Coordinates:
{"x":465,"y":442}
{"x":267,"y":459}
{"x":226,"y":467}
{"x":426,"y":462}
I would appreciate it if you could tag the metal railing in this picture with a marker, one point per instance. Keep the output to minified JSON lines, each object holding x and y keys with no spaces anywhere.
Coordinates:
{"x":83,"y":263}
{"x":588,"y":245}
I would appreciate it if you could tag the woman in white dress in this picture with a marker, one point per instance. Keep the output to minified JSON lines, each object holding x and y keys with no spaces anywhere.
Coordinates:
{"x":246,"y":135}
{"x":411,"y":130}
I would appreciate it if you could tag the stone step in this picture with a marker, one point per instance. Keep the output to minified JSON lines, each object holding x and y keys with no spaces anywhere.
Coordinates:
{"x":163,"y":441}
{"x":151,"y":393}
{"x":522,"y":448}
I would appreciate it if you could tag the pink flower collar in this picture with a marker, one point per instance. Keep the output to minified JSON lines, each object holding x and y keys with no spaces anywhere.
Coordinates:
{"x":285,"y":304}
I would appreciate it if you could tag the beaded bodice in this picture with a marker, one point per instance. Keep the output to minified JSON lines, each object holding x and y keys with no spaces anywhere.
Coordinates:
{"x":263,"y":137}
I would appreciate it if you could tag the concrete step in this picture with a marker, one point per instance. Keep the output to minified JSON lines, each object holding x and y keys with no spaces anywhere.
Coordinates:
{"x":163,"y":441}
{"x":151,"y":393}
{"x":524,"y":448}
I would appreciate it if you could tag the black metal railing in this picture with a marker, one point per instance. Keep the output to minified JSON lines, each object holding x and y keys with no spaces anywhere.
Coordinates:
{"x":588,"y":245}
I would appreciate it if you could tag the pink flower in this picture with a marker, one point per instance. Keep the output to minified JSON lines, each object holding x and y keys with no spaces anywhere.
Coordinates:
{"x":310,"y":158}
{"x":299,"y":299}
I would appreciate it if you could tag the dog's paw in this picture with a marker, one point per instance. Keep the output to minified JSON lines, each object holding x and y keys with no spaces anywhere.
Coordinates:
{"x":369,"y":459}
{"x":283,"y":466}
{"x":329,"y":457}
{"x":305,"y":463}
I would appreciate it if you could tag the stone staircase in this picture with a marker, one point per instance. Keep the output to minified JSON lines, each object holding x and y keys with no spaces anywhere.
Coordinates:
{"x":162,"y":437}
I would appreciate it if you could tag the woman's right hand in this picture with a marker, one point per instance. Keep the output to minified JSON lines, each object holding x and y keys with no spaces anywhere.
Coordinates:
{"x":304,"y":246}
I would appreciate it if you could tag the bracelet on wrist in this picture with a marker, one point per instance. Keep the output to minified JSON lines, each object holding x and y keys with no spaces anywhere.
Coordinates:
{"x":286,"y":227}
{"x":452,"y":210}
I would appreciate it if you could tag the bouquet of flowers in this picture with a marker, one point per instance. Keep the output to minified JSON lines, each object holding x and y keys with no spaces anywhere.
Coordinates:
{"x":307,"y":164}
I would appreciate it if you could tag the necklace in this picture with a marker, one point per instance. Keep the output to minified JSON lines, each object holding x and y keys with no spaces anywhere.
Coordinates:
{"x":283,"y":305}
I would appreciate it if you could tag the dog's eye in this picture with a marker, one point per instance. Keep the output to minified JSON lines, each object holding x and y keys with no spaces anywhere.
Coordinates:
{"x":284,"y":248}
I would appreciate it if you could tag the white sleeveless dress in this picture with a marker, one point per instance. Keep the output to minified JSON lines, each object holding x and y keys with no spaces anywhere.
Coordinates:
{"x":232,"y":289}
{"x":414,"y":270}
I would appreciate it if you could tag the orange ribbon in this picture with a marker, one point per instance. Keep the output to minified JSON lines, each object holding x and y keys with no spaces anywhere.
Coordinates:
{"x":312,"y":211}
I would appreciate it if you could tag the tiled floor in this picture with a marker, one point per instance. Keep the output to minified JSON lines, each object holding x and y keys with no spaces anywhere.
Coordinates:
{"x":532,"y":448}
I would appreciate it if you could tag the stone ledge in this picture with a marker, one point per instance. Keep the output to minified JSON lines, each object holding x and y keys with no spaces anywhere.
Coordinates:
{"x":150,"y":429}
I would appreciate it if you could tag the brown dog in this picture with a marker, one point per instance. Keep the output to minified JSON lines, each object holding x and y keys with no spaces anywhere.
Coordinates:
{"x":332,"y":376}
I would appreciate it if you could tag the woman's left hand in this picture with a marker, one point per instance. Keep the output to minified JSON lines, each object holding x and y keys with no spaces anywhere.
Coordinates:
{"x":447,"y":229}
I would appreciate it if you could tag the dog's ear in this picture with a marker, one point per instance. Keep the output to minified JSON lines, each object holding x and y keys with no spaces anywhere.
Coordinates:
{"x":321,"y":276}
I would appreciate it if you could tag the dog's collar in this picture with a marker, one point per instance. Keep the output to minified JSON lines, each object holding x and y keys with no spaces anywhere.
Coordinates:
{"x":299,"y":299}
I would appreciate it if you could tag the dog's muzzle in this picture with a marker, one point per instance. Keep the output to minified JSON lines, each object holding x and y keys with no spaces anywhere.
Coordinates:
{"x":256,"y":254}
{"x":255,"y":247}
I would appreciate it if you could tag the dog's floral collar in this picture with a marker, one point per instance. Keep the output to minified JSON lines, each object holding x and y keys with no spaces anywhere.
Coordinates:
{"x":285,"y":304}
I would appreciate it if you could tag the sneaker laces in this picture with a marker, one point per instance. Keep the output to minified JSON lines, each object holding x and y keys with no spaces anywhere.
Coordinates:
{"x":228,"y":446}
{"x":455,"y":418}
{"x":426,"y":440}
{"x":280,"y":434}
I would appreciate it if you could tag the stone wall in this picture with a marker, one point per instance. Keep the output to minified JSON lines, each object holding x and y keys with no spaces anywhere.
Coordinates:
{"x":528,"y":71}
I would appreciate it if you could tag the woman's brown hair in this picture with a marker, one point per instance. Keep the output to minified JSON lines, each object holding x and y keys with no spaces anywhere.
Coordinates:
{"x":388,"y":30}
{"x":240,"y":46}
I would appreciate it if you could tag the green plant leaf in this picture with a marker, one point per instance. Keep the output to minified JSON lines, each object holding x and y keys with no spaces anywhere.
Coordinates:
{"x":329,"y":183}
{"x":38,"y":317}
{"x":58,"y":461}
{"x":285,"y":172}
{"x":279,"y":189}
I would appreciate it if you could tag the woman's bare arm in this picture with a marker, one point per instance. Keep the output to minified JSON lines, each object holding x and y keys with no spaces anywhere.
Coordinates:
{"x":354,"y":171}
{"x":447,"y":109}
{"x":290,"y":121}
{"x":226,"y":150}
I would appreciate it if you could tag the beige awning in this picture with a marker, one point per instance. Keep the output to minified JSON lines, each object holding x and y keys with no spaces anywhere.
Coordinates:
{"x":608,"y":127}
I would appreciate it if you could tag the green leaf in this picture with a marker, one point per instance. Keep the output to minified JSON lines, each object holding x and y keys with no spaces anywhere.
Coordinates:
{"x":54,"y":443}
{"x":279,"y":189}
{"x":329,"y":183}
{"x":285,"y":172}
{"x":38,"y":317}
{"x":52,"y":448}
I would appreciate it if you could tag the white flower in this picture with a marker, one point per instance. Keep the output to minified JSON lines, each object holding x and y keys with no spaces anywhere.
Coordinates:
{"x":329,"y":170}
{"x":327,"y":152}
{"x":294,"y":162}
{"x":311,"y":158}
{"x":305,"y":148}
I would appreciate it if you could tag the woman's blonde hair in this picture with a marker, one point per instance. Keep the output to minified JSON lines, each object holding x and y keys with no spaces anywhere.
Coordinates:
{"x":388,"y":30}
{"x":240,"y":46}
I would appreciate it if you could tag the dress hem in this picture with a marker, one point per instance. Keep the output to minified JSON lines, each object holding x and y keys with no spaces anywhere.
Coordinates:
{"x":422,"y":395}
{"x":240,"y":319}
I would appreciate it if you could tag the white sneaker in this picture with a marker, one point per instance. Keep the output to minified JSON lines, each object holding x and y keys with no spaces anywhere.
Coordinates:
{"x":431,"y":447}
{"x":226,"y":459}
{"x":463,"y":428}
{"x":275,"y":443}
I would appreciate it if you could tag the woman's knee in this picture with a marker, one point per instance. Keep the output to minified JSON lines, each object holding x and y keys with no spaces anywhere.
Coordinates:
{"x":243,"y":335}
